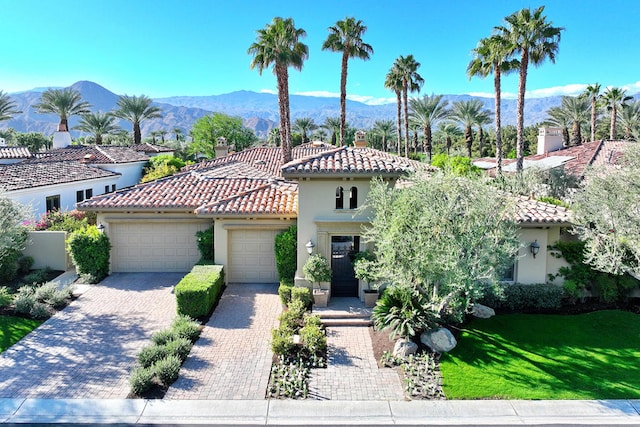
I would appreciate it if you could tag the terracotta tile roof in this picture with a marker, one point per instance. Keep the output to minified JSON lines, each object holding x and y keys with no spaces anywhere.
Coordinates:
{"x":531,"y":211}
{"x":25,"y":175}
{"x":575,"y":159}
{"x":349,"y":160}
{"x":151,"y":148}
{"x":275,"y":198}
{"x":11,"y":153}
{"x":187,"y":190}
{"x":268,"y":159}
{"x":94,"y":154}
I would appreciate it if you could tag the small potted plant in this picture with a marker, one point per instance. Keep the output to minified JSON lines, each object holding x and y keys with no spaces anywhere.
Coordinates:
{"x":317,"y":270}
{"x":364,"y":267}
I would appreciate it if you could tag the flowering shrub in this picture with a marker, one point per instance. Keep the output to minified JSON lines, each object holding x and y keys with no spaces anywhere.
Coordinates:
{"x":70,"y":221}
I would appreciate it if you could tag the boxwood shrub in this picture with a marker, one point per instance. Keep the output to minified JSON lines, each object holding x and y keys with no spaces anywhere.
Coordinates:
{"x":198,"y":291}
{"x":521,"y":297}
{"x":286,"y":255}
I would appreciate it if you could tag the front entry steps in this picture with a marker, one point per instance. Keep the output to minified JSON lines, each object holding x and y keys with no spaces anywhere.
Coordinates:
{"x":344,"y":312}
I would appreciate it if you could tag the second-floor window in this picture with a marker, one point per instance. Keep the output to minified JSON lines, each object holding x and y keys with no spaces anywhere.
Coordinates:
{"x":353,"y":198}
{"x":339,"y":198}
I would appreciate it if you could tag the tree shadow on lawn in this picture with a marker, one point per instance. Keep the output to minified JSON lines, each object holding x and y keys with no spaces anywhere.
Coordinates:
{"x":552,"y":362}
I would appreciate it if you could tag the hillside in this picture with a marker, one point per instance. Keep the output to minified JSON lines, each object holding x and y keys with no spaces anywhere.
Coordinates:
{"x":259,"y":111}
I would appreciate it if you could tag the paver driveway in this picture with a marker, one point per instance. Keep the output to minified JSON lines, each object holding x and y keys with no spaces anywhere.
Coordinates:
{"x":232,"y":359}
{"x":88,"y":349}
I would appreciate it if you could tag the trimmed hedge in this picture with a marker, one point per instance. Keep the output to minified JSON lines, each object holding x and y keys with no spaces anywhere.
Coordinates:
{"x":198,"y":291}
{"x":520,"y":297}
{"x":286,"y":256}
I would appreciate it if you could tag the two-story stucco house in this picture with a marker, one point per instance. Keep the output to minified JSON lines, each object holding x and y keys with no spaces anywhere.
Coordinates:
{"x":249,"y":197}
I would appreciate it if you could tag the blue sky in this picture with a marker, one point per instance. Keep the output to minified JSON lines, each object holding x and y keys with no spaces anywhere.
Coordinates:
{"x":199,"y":47}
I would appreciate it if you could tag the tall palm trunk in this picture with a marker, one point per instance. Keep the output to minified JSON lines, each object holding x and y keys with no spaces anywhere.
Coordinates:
{"x":137,"y":135}
{"x":428,"y":139}
{"x":63,"y":126}
{"x":98,"y":139}
{"x":282,"y":75}
{"x":522,"y":87}
{"x":576,"y":137}
{"x":468,"y":137}
{"x":612,"y":129}
{"x":399,"y":118}
{"x":593,"y":118}
{"x":405,"y":90}
{"x":498,"y":107}
{"x":480,"y":140}
{"x":343,"y":96}
{"x":448,"y":145}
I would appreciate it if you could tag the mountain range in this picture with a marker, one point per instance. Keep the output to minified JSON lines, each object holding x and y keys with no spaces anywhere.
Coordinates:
{"x":259,"y":111}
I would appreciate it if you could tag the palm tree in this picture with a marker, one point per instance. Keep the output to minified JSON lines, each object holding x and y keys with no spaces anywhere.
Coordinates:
{"x":179,"y":133}
{"x":136,"y":109}
{"x":154,"y":134}
{"x":411,"y":82}
{"x":98,"y":124}
{"x":448,"y":131}
{"x":592,"y":93}
{"x":278,"y":44}
{"x":490,"y":57}
{"x":576,"y":110}
{"x":530,"y":34}
{"x":162,"y":133}
{"x":558,"y":118}
{"x":393,"y":81}
{"x":385,"y":129}
{"x":273,"y":137}
{"x":468,"y":113}
{"x":629,"y":118}
{"x":614,"y":98}
{"x":8,"y":107}
{"x":319,"y":134}
{"x":483,"y":119}
{"x":346,"y":37}
{"x":332,"y":124}
{"x":64,"y":103}
{"x":304,"y":125}
{"x":426,"y":112}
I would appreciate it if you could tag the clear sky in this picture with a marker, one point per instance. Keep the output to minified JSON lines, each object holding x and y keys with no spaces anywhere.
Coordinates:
{"x":199,"y":47}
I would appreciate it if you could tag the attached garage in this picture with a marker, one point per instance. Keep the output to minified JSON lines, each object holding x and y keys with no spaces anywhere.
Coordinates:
{"x":251,"y":256}
{"x":155,"y":246}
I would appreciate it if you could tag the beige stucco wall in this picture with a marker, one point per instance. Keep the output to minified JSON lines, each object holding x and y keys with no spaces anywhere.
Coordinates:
{"x":48,"y":249}
{"x":222,"y":227}
{"x":319,"y":220}
{"x":530,"y":270}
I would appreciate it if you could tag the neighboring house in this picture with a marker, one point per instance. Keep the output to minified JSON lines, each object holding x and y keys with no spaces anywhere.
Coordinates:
{"x":152,"y":150}
{"x":552,"y":154}
{"x":61,"y":177}
{"x":249,"y":197}
{"x":10,"y":155}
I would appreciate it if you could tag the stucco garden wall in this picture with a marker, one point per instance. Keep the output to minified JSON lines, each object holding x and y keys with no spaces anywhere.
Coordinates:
{"x":48,"y":249}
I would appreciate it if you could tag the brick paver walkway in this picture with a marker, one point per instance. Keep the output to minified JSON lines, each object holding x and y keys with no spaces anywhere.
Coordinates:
{"x":88,"y":349}
{"x":232,"y":359}
{"x":352,"y":372}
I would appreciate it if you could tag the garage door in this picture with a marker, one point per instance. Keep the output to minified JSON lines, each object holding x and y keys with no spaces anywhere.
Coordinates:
{"x":252,"y":258}
{"x":154,"y":246}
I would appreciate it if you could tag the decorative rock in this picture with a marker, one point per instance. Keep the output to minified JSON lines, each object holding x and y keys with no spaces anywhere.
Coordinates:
{"x":439,"y":340}
{"x":404,"y":348}
{"x":482,"y":311}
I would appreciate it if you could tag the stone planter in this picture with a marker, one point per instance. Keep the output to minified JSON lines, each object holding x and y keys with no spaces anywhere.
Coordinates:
{"x":370,"y":298}
{"x":320,"y":297}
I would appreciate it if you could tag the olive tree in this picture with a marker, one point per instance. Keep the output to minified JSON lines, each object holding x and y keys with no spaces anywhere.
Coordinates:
{"x":445,"y":237}
{"x":13,"y":236}
{"x":607,"y":210}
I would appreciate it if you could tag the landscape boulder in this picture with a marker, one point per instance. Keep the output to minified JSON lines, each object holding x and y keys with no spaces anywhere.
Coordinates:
{"x":439,"y":340}
{"x":404,"y":348}
{"x":482,"y":311}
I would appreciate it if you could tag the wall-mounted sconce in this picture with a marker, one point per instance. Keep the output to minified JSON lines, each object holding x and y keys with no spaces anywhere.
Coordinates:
{"x":535,"y":248}
{"x":310,"y":247}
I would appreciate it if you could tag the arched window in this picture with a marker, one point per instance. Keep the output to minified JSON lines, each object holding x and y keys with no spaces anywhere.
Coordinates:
{"x":353,"y":198}
{"x":339,"y":198}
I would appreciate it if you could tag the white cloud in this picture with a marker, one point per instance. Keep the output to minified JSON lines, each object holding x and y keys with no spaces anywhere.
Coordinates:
{"x":271,"y":91}
{"x":365,"y":99}
{"x":566,"y":90}
{"x":632,"y":88}
{"x":319,"y":94}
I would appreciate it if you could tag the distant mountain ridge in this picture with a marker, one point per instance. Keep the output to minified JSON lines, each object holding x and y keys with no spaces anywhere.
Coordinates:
{"x":259,"y":111}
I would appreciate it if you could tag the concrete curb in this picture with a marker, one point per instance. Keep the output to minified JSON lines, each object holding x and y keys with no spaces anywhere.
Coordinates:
{"x":308,"y":412}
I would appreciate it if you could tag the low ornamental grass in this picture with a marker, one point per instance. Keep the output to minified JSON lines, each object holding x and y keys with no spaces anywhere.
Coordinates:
{"x":12,"y":329}
{"x":522,"y":356}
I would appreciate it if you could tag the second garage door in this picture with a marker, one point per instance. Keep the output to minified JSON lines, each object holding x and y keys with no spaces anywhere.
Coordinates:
{"x":252,"y":257}
{"x":154,"y":246}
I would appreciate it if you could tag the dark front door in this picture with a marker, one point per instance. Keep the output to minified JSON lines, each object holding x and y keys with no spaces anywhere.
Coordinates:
{"x":343,"y":280}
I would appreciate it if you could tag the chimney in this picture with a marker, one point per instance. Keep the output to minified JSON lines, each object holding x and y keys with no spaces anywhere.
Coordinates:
{"x":222,"y":149}
{"x":61,"y":139}
{"x":361,"y":141}
{"x":549,"y":139}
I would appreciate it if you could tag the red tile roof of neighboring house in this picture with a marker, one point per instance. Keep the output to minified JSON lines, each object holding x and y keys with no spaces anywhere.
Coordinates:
{"x":94,"y":154}
{"x":25,"y":175}
{"x":349,"y":160}
{"x":151,"y":148}
{"x":11,"y":153}
{"x":579,"y":157}
{"x":531,"y":211}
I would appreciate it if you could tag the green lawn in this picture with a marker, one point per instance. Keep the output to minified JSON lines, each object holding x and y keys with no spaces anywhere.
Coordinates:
{"x":521,"y":356}
{"x":14,"y":328}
